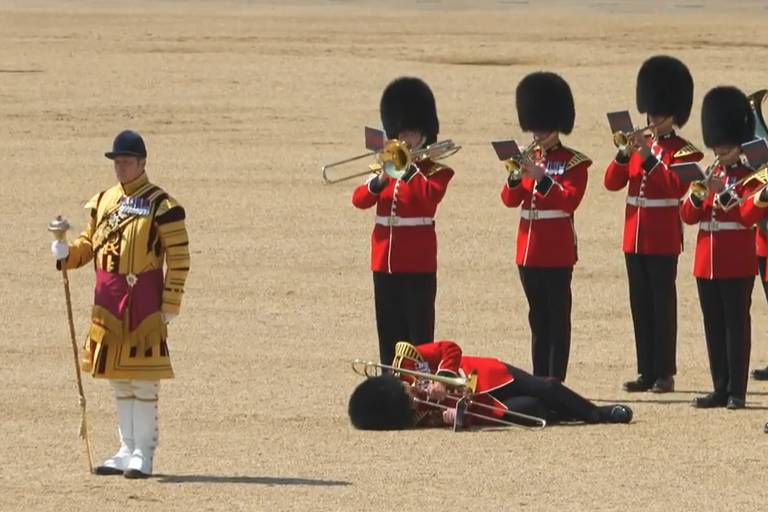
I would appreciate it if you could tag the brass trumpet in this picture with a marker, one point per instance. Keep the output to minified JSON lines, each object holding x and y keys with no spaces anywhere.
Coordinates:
{"x":621,"y":139}
{"x":514,"y":165}
{"x":698,"y":188}
{"x":394,"y":159}
{"x":464,"y":389}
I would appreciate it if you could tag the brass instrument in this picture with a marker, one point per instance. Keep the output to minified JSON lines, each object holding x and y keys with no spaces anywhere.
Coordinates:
{"x":621,"y":139}
{"x":463,"y":388}
{"x":760,"y":175}
{"x":699,"y":188}
{"x":514,"y":165}
{"x":394,"y":159}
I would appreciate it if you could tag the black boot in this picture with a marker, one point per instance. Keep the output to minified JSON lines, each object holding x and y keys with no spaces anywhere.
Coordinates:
{"x":614,"y":413}
{"x":664,"y":385}
{"x":710,"y":401}
{"x":641,"y":384}
{"x":735,"y":403}
{"x":760,"y":374}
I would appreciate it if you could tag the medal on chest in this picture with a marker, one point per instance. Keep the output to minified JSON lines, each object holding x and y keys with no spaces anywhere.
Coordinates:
{"x":555,"y":168}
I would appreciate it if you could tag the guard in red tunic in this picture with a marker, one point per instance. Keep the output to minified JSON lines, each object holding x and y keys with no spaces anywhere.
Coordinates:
{"x":403,"y":242}
{"x":552,"y":185}
{"x":653,"y":236}
{"x":383,"y":403}
{"x":761,"y":241}
{"x":725,"y":261}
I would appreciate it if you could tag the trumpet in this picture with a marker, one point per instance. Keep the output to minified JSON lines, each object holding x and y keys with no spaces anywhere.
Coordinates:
{"x":698,"y":188}
{"x":463,"y":392}
{"x":621,"y":139}
{"x":514,"y":165}
{"x":394,"y":159}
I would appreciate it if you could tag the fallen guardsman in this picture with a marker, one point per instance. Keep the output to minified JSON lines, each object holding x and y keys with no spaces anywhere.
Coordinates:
{"x":434,"y":385}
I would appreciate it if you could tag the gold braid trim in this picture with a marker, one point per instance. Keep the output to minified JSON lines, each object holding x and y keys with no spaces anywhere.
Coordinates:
{"x":687,"y":150}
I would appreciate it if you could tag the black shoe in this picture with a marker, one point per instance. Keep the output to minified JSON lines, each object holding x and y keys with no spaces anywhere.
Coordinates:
{"x":664,"y":385}
{"x":760,"y":374}
{"x":710,"y":401}
{"x":765,"y":428}
{"x":620,"y":414}
{"x":106,"y":471}
{"x":135,"y":474}
{"x":735,"y":403}
{"x":636,"y":386}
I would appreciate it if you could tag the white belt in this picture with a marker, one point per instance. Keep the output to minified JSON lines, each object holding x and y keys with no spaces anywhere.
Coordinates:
{"x":543,"y":214}
{"x":394,"y":220}
{"x":720,"y":226}
{"x":644,"y":202}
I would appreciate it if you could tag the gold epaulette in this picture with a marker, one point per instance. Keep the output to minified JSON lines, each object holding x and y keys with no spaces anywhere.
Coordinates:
{"x":576,"y":159}
{"x":688,"y":149}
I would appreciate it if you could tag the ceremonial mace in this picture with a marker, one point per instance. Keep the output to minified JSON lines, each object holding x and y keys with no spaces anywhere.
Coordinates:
{"x":59,"y":227}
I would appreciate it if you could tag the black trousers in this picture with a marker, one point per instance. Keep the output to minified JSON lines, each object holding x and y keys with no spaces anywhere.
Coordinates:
{"x":761,"y":260}
{"x":405,"y":310}
{"x":653,"y":300}
{"x":544,"y":397}
{"x":548,"y":291}
{"x":725,"y":306}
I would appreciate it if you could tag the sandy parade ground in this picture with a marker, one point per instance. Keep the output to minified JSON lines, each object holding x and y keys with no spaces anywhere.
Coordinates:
{"x":240,"y":104}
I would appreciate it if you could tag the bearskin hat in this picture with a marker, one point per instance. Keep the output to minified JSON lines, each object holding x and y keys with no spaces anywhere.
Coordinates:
{"x":726,"y":117}
{"x":544,"y":103}
{"x":407,"y":103}
{"x":665,"y":87}
{"x":380,"y":403}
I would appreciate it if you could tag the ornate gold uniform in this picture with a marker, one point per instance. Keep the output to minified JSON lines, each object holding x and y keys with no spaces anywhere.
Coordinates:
{"x":133,"y":229}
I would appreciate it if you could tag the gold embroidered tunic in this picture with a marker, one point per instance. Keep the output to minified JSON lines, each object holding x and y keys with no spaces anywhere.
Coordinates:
{"x":133,"y":230}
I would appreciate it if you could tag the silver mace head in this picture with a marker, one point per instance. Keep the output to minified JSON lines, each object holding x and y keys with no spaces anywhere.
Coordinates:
{"x":59,"y":227}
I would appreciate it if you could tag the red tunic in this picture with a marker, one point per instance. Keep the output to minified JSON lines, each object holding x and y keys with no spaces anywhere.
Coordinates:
{"x":546,"y":236}
{"x":725,"y":245}
{"x":445,"y":358}
{"x":651,"y":219}
{"x":403,"y":238}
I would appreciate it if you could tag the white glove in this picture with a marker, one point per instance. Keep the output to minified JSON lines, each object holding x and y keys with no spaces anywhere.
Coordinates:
{"x":167,"y":317}
{"x":59,"y":249}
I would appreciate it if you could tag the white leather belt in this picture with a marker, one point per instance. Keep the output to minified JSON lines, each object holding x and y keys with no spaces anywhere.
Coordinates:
{"x":394,"y":220}
{"x":720,"y":226}
{"x":543,"y":214}
{"x":644,"y":202}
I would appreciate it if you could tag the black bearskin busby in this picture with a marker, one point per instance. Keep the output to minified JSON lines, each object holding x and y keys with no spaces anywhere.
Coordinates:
{"x":545,"y":103}
{"x":726,"y":118}
{"x":407,"y":103}
{"x":380,"y":403}
{"x":665,"y":88}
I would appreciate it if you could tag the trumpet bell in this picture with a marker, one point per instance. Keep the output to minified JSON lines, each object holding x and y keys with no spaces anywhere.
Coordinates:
{"x":698,"y":189}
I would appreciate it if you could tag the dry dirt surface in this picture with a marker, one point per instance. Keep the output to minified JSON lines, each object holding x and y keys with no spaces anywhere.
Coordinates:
{"x":240,"y":104}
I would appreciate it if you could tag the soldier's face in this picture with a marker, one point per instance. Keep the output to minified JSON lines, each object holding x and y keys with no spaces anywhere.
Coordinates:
{"x":727,"y":153}
{"x":128,"y":168}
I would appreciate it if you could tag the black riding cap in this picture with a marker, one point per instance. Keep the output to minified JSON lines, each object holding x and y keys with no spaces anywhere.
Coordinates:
{"x":127,"y":143}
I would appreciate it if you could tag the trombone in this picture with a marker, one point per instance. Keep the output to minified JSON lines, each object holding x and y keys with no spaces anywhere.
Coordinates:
{"x":760,"y":175}
{"x":514,"y":165}
{"x":465,"y":389}
{"x":621,"y":139}
{"x":394,"y":159}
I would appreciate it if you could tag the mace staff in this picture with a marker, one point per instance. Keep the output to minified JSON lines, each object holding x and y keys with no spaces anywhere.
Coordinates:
{"x":59,"y":228}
